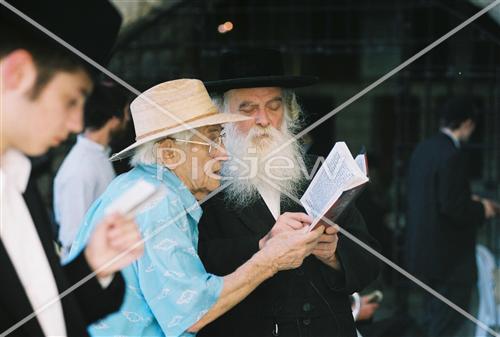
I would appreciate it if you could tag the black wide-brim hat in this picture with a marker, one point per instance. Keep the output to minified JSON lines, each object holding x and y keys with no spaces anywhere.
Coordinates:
{"x":254,"y":68}
{"x":91,"y":26}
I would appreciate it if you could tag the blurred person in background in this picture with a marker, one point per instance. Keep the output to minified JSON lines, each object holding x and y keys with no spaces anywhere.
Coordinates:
{"x":443,"y":218}
{"x":86,"y":171}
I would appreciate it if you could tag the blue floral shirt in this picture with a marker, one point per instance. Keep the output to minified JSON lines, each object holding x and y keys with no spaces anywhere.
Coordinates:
{"x":168,"y":288}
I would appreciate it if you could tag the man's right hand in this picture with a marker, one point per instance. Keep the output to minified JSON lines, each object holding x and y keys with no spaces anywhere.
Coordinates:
{"x":288,"y":249}
{"x":287,"y":221}
{"x":367,"y":309}
{"x":116,"y":236}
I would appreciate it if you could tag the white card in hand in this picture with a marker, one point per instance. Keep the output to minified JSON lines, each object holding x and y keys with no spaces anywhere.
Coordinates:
{"x":134,"y":197}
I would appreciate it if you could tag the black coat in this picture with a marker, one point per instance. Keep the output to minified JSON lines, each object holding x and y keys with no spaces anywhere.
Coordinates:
{"x":85,"y":305}
{"x":311,"y":300}
{"x":442,"y":219}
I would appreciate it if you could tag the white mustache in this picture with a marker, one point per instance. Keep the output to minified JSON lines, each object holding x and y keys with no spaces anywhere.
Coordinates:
{"x":254,"y":133}
{"x":252,"y":149}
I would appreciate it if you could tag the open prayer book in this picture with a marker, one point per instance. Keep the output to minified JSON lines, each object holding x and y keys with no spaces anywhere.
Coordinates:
{"x":337,"y":183}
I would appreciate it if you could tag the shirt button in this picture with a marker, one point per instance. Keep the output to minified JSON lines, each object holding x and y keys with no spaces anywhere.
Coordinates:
{"x":307,"y":307}
{"x":307,"y":321}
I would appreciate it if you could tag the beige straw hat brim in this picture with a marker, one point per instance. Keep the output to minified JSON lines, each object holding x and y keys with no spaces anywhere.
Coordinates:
{"x":214,"y":119}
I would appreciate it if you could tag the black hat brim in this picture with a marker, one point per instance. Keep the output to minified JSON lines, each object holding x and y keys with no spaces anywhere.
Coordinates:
{"x":259,"y":82}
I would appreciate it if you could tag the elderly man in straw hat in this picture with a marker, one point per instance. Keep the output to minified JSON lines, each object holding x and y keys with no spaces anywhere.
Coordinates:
{"x":178,"y":149}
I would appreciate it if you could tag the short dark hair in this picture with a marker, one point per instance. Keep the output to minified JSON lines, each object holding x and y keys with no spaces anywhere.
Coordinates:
{"x":49,"y":57}
{"x":457,"y":110}
{"x":106,"y":101}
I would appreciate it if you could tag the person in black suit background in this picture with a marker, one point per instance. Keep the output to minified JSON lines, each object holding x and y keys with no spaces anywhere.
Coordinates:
{"x":43,"y":90}
{"x":314,"y":299}
{"x":443,"y":217}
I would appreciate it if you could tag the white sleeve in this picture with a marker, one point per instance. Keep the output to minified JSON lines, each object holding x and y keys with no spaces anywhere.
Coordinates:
{"x":72,"y":197}
{"x":356,"y":306}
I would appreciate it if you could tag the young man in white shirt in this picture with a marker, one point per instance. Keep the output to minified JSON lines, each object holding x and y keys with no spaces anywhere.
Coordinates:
{"x":86,"y":171}
{"x":43,"y":89}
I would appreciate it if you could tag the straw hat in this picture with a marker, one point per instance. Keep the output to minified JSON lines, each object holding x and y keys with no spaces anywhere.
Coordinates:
{"x":172,"y":107}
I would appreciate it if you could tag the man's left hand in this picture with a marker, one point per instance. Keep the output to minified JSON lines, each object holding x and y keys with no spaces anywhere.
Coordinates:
{"x":327,"y":246}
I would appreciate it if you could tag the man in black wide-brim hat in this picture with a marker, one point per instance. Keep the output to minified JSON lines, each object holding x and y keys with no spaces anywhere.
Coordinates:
{"x":44,"y":87}
{"x":312,"y":300}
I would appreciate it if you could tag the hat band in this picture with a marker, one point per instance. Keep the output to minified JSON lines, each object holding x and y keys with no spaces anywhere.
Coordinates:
{"x":154,"y":132}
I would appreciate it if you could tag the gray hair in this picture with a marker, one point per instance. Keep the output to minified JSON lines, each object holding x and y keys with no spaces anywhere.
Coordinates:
{"x":146,"y":153}
{"x":293,"y":110}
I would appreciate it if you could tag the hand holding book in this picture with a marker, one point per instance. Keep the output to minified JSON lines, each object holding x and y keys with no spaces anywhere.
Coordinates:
{"x":287,"y":221}
{"x":326,"y":248}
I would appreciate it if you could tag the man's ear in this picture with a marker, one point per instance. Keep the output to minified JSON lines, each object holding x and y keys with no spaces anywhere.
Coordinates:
{"x":18,"y":71}
{"x":169,"y":154}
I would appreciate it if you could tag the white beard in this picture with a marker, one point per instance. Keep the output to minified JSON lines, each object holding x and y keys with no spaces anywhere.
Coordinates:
{"x":247,"y":170}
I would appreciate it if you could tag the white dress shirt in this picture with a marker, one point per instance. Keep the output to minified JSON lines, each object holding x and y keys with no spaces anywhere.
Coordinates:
{"x":450,"y":134}
{"x":25,"y":250}
{"x":271,"y":197}
{"x":83,"y":176}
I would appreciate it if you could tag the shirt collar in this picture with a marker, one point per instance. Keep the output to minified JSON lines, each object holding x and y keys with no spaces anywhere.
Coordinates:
{"x":169,"y":178}
{"x":90,"y":144}
{"x":16,"y":168}
{"x":450,"y":134}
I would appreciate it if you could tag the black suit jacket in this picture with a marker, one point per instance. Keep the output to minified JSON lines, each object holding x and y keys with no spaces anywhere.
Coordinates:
{"x":442,"y":220}
{"x":81,"y":307}
{"x":313,"y":297}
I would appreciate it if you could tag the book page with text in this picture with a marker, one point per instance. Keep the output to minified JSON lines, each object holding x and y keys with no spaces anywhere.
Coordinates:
{"x":338,"y":173}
